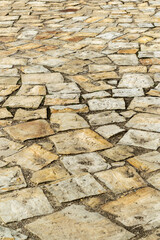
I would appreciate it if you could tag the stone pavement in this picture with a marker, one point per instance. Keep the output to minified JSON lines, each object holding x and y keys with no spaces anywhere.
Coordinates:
{"x":80,"y":119}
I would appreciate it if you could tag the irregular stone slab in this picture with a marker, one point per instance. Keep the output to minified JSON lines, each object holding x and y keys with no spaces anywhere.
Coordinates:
{"x":110,"y":35}
{"x":140,"y":208}
{"x":146,"y":104}
{"x":13,"y":61}
{"x":120,"y":59}
{"x":75,"y":188}
{"x":24,"y":115}
{"x":48,"y":61}
{"x":134,"y":80}
{"x":8,"y":147}
{"x":130,"y":69}
{"x":34,"y":69}
{"x":155,"y":180}
{"x":50,"y":174}
{"x":82,"y":221}
{"x":67,"y":121}
{"x":103,"y":76}
{"x":101,"y":68}
{"x":154,"y":236}
{"x":34,"y":157}
{"x":45,"y":78}
{"x":4,"y":113}
{"x":23,"y":204}
{"x":86,"y":162}
{"x":122,"y":45}
{"x":79,"y":141}
{"x":149,"y":140}
{"x":100,"y":94}
{"x":145,"y":121}
{"x":121,"y":179}
{"x":154,"y":92}
{"x":8,"y":89}
{"x":32,"y":90}
{"x":13,"y":72}
{"x":9,"y":80}
{"x":10,"y":234}
{"x":134,"y":92}
{"x":118,"y":153}
{"x":63,"y":88}
{"x":128,"y":114}
{"x":79,"y":108}
{"x":11,"y":179}
{"x":109,"y":130}
{"x":106,"y":104}
{"x":148,"y":162}
{"x":29,"y":130}
{"x":61,"y":99}
{"x":23,"y":101}
{"x":105,"y":118}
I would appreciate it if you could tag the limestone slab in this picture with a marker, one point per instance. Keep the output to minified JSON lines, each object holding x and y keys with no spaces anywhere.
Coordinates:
{"x":109,"y":130}
{"x":154,"y":235}
{"x":34,"y":157}
{"x":61,"y":99}
{"x":79,"y":141}
{"x":4,"y":113}
{"x":23,"y":101}
{"x":63,"y":88}
{"x":8,"y":147}
{"x":120,"y":59}
{"x":99,"y":94}
{"x":32,"y":90}
{"x":124,"y":92}
{"x":23,"y":204}
{"x":135,"y":80}
{"x":154,"y":180}
{"x":10,"y":234}
{"x":82,"y":221}
{"x":77,"y":108}
{"x":8,"y":81}
{"x":24,"y":115}
{"x":121,"y":179}
{"x":137,"y":208}
{"x":29,"y":130}
{"x":8,"y":89}
{"x":45,"y":78}
{"x":106,"y":104}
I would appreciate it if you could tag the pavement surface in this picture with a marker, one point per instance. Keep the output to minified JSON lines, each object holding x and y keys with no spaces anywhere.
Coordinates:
{"x":79,"y":119}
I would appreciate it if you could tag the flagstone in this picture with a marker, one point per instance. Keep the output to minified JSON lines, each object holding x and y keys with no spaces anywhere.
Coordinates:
{"x":11,"y":179}
{"x":77,"y":108}
{"x":135,"y":80}
{"x":106,"y":104}
{"x":121,"y":179}
{"x":120,"y":59}
{"x":154,"y":235}
{"x":8,"y":89}
{"x":25,"y":115}
{"x":8,"y":81}
{"x":101,"y":68}
{"x":23,"y":101}
{"x":31,"y":90}
{"x":154,"y":180}
{"x":82,"y":221}
{"x":95,"y":86}
{"x":8,"y":147}
{"x":63,"y":88}
{"x":4,"y":113}
{"x":109,"y":130}
{"x":103,"y":76}
{"x":43,"y":78}
{"x":33,"y":157}
{"x":137,"y":208}
{"x":29,"y":130}
{"x":67,"y":121}
{"x":125,"y":92}
{"x":10,"y":234}
{"x":79,"y":141}
{"x":100,"y":94}
{"x":61,"y":99}
{"x":23,"y":204}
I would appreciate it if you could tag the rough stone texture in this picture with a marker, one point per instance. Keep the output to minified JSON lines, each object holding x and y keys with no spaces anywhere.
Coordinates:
{"x":130,"y":80}
{"x":109,"y":130}
{"x":8,"y":147}
{"x":106,"y":104}
{"x":23,"y":101}
{"x":10,"y":234}
{"x":24,"y":115}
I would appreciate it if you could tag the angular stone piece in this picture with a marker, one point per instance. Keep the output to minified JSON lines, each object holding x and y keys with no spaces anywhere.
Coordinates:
{"x":146,"y":104}
{"x":140,"y":208}
{"x":8,"y":89}
{"x":121,"y":179}
{"x":24,"y":115}
{"x":67,"y":121}
{"x":75,"y":188}
{"x":100,"y":94}
{"x":63,"y":88}
{"x":9,"y":81}
{"x":32,"y":90}
{"x":23,"y":101}
{"x":45,"y":78}
{"x":101,"y":68}
{"x":106,"y":104}
{"x":118,"y":153}
{"x":34,"y":157}
{"x":10,"y":234}
{"x":109,"y":130}
{"x":29,"y":130}
{"x":79,"y":141}
{"x":11,"y":179}
{"x":4,"y":113}
{"x":23,"y":204}
{"x":133,"y":92}
{"x":149,"y":140}
{"x":120,"y":59}
{"x":145,"y":121}
{"x":82,"y":221}
{"x":148,"y":162}
{"x":155,"y":180}
{"x":135,"y":80}
{"x":61,"y":99}
{"x":109,"y":35}
{"x":8,"y":147}
{"x":105,"y":118}
{"x":86,"y":162}
{"x":79,"y":108}
{"x":50,"y":174}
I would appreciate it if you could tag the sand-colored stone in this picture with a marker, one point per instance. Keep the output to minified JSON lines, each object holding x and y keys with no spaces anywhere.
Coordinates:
{"x":8,"y":89}
{"x":46,"y":78}
{"x":24,"y":115}
{"x":23,"y":101}
{"x":32,"y":90}
{"x":61,"y":99}
{"x":118,"y":153}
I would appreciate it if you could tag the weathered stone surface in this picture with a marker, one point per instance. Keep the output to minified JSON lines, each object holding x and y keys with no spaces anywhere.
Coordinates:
{"x":8,"y":147}
{"x":121,"y":59}
{"x":105,"y":118}
{"x":100,"y":94}
{"x":82,"y":221}
{"x":47,"y":78}
{"x":67,"y":121}
{"x":109,"y":130}
{"x":8,"y":89}
{"x":106,"y":104}
{"x":134,"y":80}
{"x":63,"y":88}
{"x":23,"y":101}
{"x":4,"y":113}
{"x":75,"y":188}
{"x":25,"y":203}
{"x":8,"y":81}
{"x":86,"y":162}
{"x":11,"y":179}
{"x":154,"y":236}
{"x":149,"y":140}
{"x":118,"y":153}
{"x":24,"y":115}
{"x":79,"y":141}
{"x":29,"y":130}
{"x":101,"y":68}
{"x":154,"y":180}
{"x":134,"y":92}
{"x":137,"y":208}
{"x":10,"y":234}
{"x":32,"y":90}
{"x":34,"y":157}
{"x":147,"y":162}
{"x":79,"y":108}
{"x":145,"y":121}
{"x":61,"y":99}
{"x":121,"y":179}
